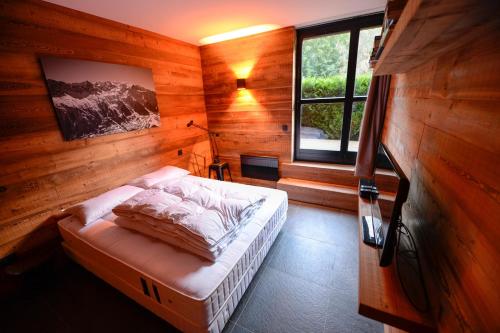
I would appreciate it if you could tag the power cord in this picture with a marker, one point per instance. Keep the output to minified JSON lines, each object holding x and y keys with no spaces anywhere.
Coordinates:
{"x":410,"y":254}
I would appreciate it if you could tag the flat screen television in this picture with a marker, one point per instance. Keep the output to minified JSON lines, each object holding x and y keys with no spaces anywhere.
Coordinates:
{"x":388,"y":228}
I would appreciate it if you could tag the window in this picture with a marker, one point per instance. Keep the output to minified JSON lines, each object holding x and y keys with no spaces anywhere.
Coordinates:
{"x":333,"y":76}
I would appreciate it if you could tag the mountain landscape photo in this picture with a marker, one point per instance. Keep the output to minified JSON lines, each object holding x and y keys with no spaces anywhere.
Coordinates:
{"x":95,"y":107}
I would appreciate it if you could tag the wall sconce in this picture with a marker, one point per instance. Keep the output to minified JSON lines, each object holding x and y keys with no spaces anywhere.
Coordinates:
{"x":241,"y":84}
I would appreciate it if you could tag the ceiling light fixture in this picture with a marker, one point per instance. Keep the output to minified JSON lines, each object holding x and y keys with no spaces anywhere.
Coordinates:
{"x":256,"y":29}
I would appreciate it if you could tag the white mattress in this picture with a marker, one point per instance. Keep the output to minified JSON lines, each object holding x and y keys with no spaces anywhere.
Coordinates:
{"x":198,"y":293}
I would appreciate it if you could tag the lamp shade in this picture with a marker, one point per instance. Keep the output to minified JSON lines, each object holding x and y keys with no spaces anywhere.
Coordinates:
{"x":241,"y":84}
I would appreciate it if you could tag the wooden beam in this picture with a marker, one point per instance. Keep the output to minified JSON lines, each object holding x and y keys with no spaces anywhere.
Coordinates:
{"x":427,"y":29}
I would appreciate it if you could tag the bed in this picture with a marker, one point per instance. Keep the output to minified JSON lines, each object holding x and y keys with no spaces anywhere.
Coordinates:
{"x":193,"y":294}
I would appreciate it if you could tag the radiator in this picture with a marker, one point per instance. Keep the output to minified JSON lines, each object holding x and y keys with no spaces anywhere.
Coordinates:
{"x":259,"y":167}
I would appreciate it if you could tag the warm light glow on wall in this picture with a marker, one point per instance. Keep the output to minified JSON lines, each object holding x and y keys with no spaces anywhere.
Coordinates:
{"x":245,"y":97}
{"x":242,"y":70}
{"x":256,"y":29}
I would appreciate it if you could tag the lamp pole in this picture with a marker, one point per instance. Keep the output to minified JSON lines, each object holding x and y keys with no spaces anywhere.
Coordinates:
{"x":211,"y":136}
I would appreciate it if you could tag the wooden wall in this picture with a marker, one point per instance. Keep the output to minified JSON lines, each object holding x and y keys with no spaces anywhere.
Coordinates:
{"x":443,"y":125}
{"x":250,"y":121}
{"x":42,"y":173}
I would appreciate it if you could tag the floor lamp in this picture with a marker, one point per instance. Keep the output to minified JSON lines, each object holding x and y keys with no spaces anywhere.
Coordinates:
{"x":213,"y":142}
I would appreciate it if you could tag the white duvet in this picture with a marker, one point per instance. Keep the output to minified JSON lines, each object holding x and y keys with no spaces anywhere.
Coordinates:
{"x":198,"y":215}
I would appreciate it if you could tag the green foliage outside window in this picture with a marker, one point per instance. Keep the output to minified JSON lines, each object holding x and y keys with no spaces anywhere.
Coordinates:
{"x":324,"y":71}
{"x":328,"y":117}
{"x":325,"y":56}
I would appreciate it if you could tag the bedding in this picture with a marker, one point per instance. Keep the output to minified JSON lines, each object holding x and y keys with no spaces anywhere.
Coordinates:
{"x":165,"y":173}
{"x":192,"y":294}
{"x":236,"y":203}
{"x":90,"y":210}
{"x":194,"y":215}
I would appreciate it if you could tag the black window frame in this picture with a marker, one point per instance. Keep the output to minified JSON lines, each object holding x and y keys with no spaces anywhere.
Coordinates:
{"x":354,"y":26}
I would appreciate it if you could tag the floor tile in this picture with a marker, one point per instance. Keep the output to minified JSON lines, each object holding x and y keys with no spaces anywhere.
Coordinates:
{"x":322,"y":224}
{"x":238,"y":329}
{"x":338,"y":322}
{"x":255,"y":281}
{"x":345,"y":275}
{"x":278,"y":243}
{"x":229,"y":327}
{"x":306,"y":258}
{"x":342,"y":315}
{"x":284,"y":303}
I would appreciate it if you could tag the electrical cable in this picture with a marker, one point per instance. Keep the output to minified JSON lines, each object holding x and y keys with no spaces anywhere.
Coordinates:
{"x":412,"y":254}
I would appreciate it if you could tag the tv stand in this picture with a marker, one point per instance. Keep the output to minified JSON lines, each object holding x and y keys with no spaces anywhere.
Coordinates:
{"x":380,"y":294}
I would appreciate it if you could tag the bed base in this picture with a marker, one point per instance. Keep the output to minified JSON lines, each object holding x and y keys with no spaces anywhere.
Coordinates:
{"x":160,"y":300}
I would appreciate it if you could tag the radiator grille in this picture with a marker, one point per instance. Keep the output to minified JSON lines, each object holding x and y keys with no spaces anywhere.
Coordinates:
{"x":259,"y":167}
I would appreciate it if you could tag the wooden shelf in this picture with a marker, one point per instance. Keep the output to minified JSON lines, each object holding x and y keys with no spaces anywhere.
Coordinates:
{"x":427,"y":29}
{"x":380,"y":294}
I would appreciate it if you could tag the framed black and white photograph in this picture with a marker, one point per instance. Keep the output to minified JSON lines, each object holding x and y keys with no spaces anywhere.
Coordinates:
{"x":95,"y":98}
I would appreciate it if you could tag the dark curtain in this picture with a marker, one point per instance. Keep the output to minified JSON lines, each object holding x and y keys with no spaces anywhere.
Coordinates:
{"x":372,"y":125}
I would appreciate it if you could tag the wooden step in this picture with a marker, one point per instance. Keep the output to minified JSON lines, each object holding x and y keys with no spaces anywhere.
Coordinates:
{"x":336,"y":174}
{"x":320,"y":193}
{"x":330,"y":195}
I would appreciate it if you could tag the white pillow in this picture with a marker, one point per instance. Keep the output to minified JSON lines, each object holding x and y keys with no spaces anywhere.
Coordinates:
{"x":90,"y":210}
{"x":165,"y":173}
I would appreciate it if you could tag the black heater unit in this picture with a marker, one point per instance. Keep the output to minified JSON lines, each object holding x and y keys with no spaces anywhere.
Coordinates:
{"x":260,"y":167}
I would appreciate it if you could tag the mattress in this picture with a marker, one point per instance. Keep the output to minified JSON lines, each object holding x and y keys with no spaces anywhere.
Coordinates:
{"x":193,"y":294}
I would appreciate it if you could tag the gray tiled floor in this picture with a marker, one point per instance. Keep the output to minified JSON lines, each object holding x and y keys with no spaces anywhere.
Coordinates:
{"x":308,"y":282}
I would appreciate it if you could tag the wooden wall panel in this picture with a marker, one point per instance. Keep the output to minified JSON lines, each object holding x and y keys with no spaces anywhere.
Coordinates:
{"x":250,"y":121}
{"x":42,"y":173}
{"x":443,"y":123}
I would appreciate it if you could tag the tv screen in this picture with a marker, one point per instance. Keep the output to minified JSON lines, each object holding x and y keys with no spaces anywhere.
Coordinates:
{"x":389,"y":228}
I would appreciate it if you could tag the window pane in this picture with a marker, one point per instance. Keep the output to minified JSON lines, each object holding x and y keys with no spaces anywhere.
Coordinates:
{"x":321,"y":126}
{"x":357,"y":114}
{"x":363,"y":70}
{"x":324,"y":65}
